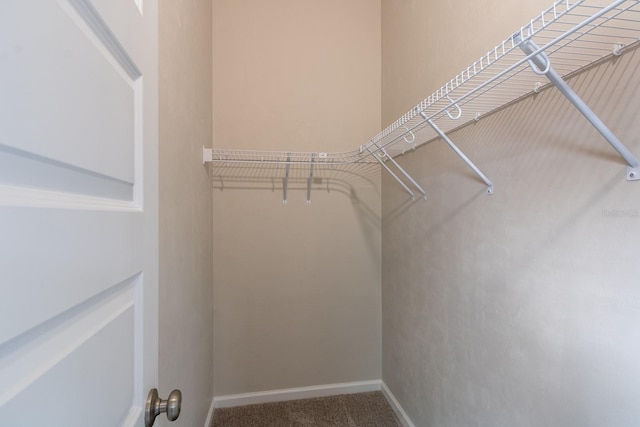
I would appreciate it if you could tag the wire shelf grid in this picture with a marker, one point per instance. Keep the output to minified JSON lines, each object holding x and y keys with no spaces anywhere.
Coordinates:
{"x":572,"y":34}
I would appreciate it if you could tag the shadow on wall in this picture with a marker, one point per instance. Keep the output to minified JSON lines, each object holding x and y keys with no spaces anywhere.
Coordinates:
{"x":545,"y":119}
{"x":347,"y":181}
{"x":528,"y":297}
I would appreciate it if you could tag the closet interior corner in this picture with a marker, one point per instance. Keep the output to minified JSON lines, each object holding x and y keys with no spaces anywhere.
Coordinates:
{"x":565,"y":39}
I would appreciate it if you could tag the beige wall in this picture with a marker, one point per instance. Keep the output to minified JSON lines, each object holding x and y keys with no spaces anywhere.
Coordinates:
{"x":186,"y":306}
{"x":296,"y":287}
{"x":426,"y":43}
{"x":519,"y":308}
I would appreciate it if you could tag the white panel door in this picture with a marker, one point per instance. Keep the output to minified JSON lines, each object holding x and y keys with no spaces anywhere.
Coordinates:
{"x":78,"y":211}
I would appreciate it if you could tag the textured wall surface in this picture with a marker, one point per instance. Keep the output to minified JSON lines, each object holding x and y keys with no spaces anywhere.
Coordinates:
{"x":521,"y":308}
{"x":296,"y":287}
{"x":186,"y":291}
{"x":426,"y":43}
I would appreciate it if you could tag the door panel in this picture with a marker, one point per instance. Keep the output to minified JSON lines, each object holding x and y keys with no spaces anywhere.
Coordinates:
{"x":70,"y":267}
{"x":69,"y":351}
{"x":55,"y":62}
{"x":78,"y":229}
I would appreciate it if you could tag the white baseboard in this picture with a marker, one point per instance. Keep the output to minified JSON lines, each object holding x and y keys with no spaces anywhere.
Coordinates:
{"x":295,"y":393}
{"x":212,"y":408}
{"x":395,"y":405}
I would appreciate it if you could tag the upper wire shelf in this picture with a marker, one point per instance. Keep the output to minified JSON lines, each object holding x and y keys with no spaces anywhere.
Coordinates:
{"x":571,"y":35}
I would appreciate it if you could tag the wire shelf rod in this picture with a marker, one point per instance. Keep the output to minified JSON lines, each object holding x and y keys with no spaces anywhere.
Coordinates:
{"x":459,"y":152}
{"x":409,"y":177}
{"x":633,"y":172}
{"x":413,"y":195}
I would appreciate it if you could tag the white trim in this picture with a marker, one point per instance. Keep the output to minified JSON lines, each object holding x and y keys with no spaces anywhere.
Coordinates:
{"x":295,"y":393}
{"x":209,"y":419}
{"x":395,"y":405}
{"x":36,"y":198}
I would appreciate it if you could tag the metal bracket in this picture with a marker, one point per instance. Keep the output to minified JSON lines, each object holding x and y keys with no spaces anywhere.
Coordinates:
{"x":539,"y":60}
{"x":617,"y":49}
{"x":310,"y":179}
{"x":413,"y":195}
{"x":413,"y":181}
{"x":285,"y":181}
{"x":459,"y":152}
{"x":207,"y":155}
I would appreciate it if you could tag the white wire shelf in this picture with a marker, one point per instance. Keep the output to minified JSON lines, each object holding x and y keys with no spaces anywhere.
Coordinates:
{"x":573,"y":34}
{"x":566,"y":38}
{"x":228,"y":157}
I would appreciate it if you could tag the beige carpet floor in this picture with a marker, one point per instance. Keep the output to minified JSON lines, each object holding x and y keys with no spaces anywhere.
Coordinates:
{"x":346,"y":410}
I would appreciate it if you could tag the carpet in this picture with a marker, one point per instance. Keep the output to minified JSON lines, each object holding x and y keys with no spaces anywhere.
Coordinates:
{"x":345,"y":410}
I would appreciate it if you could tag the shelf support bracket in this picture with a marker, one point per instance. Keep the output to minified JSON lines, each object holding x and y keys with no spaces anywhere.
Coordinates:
{"x":539,"y":61}
{"x":207,"y":155}
{"x":405,"y":173}
{"x":310,"y":179}
{"x":459,"y":152}
{"x":413,"y":195}
{"x":285,"y":181}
